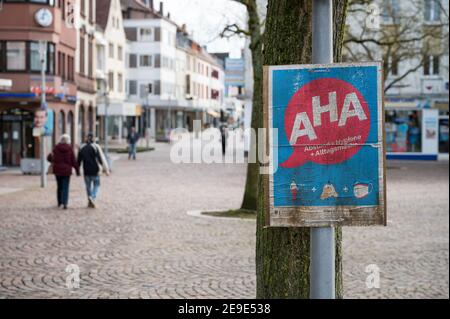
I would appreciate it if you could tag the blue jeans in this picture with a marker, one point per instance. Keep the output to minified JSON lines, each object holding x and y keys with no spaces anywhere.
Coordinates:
{"x":62,"y":192}
{"x":132,"y":150}
{"x":92,"y":185}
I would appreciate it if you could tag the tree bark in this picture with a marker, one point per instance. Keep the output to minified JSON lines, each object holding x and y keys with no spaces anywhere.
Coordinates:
{"x":282,"y":254}
{"x":250,"y":199}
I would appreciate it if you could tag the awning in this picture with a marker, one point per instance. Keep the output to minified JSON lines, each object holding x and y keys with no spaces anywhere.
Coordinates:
{"x":120,"y":109}
{"x":443,"y":106}
{"x":213,"y":113}
{"x":400,"y":105}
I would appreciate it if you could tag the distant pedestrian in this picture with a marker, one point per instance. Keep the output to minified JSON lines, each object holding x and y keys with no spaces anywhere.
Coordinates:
{"x":132,"y":140}
{"x":63,"y":160}
{"x":94,"y":163}
{"x":224,"y":136}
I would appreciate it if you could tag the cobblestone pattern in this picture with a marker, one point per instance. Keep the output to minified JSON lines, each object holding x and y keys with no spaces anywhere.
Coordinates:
{"x":140,"y":243}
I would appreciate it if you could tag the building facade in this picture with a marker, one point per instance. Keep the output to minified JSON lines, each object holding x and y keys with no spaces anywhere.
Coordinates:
{"x":111,"y":47}
{"x":85,"y":65}
{"x":411,"y":37}
{"x":22,"y":25}
{"x":171,"y":75}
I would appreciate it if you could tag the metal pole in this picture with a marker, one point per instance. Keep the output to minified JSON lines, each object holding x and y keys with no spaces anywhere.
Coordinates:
{"x":322,"y":267}
{"x":106,"y":127}
{"x":43,"y":53}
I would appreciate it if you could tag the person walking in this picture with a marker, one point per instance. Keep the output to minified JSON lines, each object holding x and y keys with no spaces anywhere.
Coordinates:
{"x":223,"y":138}
{"x":132,"y":140}
{"x":63,"y":160}
{"x":94,"y":162}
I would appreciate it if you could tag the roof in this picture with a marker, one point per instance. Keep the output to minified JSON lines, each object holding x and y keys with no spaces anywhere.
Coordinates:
{"x":138,"y":5}
{"x":102,"y":12}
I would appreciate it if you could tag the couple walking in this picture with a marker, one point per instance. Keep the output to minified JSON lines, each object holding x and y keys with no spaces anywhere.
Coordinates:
{"x":63,"y":160}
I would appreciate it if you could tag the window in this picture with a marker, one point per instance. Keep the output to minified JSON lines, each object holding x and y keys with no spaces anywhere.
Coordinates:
{"x":157,"y":88}
{"x":119,"y":52}
{"x":61,"y":122}
{"x":132,"y":87}
{"x":188,"y":84}
{"x":391,"y":10}
{"x":145,"y":89}
{"x":436,"y":64}
{"x":111,"y":50}
{"x":157,"y":34}
{"x":50,"y":58}
{"x":145,"y":60}
{"x":15,"y":56}
{"x":90,"y":58}
{"x":132,"y":61}
{"x":63,"y":9}
{"x":131,"y":34}
{"x":157,"y":60}
{"x":82,"y":59}
{"x":63,"y":66}
{"x":214,"y":94}
{"x":81,"y":124}
{"x":35,"y":57}
{"x":146,"y":34}
{"x":120,"y":82}
{"x":82,"y":8}
{"x":70,"y":68}
{"x":431,"y":65}
{"x":215,"y":74}
{"x":111,"y":81}
{"x":91,"y":10}
{"x":432,"y":10}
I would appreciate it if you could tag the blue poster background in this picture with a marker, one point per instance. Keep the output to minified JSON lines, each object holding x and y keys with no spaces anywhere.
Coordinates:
{"x":310,"y":177}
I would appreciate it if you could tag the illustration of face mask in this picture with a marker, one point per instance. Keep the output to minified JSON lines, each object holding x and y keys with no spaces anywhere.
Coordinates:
{"x":328,"y":191}
{"x":361,"y":190}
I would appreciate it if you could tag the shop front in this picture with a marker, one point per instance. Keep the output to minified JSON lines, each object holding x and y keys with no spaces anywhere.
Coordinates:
{"x":17,"y":119}
{"x":412,"y":131}
{"x":442,"y":106}
{"x":121,"y":117}
{"x":16,"y":140}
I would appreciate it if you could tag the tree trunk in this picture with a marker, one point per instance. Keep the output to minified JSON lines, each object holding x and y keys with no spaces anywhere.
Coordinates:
{"x":254,"y":27}
{"x":282,"y":254}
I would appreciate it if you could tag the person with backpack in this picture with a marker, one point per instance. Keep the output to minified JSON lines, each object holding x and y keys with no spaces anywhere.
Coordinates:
{"x":94,"y":162}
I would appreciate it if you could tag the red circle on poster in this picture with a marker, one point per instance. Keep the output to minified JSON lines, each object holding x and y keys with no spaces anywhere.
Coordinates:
{"x":326,"y":122}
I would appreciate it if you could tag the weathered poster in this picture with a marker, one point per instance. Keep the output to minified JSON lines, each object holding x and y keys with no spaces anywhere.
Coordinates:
{"x":327,"y":158}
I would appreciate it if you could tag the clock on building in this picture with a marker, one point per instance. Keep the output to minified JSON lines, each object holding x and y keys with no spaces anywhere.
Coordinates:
{"x":44,"y":17}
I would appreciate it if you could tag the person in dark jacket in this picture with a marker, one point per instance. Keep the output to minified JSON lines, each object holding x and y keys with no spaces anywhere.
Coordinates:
{"x":132,"y":139}
{"x":93,"y":159}
{"x":223,"y":137}
{"x":63,"y":160}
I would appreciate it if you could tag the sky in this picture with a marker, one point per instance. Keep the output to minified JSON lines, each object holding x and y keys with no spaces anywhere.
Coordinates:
{"x":205,"y":19}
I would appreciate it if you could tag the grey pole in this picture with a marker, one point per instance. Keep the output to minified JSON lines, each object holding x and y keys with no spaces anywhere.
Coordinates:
{"x":106,"y":126}
{"x":322,"y":267}
{"x":43,"y":53}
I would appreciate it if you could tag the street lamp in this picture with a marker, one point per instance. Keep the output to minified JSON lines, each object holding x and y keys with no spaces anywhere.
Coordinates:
{"x":43,"y":56}
{"x":105,"y":126}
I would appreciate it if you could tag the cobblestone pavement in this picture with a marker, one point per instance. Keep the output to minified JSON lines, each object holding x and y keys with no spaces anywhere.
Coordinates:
{"x":140,"y":243}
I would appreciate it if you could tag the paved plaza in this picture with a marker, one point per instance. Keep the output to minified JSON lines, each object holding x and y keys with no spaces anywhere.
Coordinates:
{"x":141,"y":243}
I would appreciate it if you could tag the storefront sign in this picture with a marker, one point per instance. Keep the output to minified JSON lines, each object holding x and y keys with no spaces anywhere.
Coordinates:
{"x":328,"y":121}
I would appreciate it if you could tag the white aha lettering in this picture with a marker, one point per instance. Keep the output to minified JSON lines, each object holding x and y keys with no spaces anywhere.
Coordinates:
{"x":304,"y":127}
